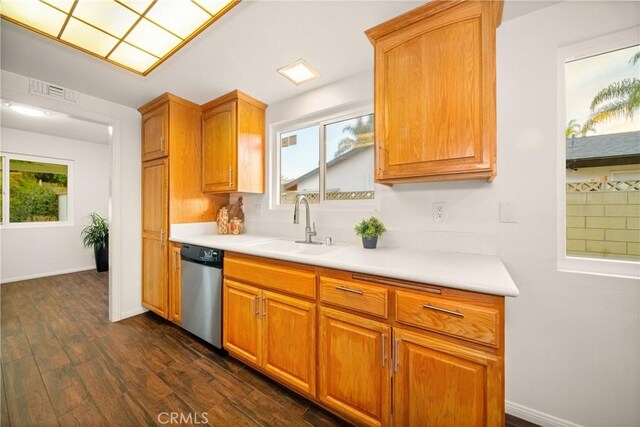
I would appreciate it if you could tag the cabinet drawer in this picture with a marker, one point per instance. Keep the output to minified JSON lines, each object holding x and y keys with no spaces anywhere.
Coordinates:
{"x":272,"y":276}
{"x":473,"y":323}
{"x":366,"y":298}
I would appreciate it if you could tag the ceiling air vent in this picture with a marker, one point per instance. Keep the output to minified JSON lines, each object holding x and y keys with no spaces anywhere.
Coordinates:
{"x":38,"y":87}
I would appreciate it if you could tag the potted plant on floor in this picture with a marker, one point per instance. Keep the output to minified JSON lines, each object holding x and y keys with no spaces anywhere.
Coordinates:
{"x":96,"y":235}
{"x":369,"y":230}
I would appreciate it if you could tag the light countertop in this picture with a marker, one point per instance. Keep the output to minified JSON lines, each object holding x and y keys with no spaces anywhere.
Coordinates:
{"x":472,"y":272}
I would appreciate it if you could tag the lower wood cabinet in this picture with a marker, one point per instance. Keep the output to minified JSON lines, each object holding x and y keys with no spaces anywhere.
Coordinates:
{"x":375,"y":353}
{"x":175,"y":284}
{"x":354,"y":372}
{"x":440,"y":383}
{"x":241,"y":321}
{"x":273,"y":332}
{"x":154,"y":275}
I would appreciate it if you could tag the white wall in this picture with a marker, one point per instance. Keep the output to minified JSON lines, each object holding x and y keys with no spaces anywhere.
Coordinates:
{"x":42,"y":251}
{"x":125,"y":188}
{"x":572,"y":340}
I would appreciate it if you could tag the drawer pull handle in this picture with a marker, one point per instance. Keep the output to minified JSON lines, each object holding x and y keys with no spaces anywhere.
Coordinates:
{"x":444,"y":310}
{"x":353,"y":291}
{"x":256,"y":305}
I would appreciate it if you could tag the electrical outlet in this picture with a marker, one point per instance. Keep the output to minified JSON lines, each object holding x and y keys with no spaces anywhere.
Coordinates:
{"x":439,"y":212}
{"x":258,"y":209}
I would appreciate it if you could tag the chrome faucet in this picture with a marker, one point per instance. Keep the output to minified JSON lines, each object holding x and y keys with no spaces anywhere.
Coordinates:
{"x":308,"y":231}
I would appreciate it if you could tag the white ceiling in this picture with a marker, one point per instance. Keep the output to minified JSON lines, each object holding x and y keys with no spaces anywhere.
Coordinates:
{"x":242,"y":50}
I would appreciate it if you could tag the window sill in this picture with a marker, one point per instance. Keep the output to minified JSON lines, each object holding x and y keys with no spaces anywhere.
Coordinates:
{"x":36,"y":225}
{"x":600,"y":267}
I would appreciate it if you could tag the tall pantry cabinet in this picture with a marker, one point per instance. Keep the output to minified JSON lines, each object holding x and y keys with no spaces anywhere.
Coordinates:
{"x":171,"y":192}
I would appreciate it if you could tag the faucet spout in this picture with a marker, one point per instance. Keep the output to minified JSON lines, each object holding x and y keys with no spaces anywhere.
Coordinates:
{"x":308,"y":231}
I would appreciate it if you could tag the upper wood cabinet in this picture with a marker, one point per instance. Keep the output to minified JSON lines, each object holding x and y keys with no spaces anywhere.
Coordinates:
{"x":155,"y":132}
{"x":233,"y":136}
{"x":171,"y":193}
{"x":435,"y":93}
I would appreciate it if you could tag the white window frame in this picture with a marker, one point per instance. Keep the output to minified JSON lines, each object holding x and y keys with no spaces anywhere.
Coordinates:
{"x":320,"y":119}
{"x":597,"y":266}
{"x":6,"y":224}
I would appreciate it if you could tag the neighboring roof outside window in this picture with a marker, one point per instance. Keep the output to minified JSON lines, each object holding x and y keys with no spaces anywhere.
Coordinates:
{"x":603,"y":150}
{"x":291,"y":185}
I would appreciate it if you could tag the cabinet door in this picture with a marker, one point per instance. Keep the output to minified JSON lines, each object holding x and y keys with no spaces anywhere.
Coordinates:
{"x":433,"y":85}
{"x":155,"y":133}
{"x":241,"y":325}
{"x":289,"y":341}
{"x":354,"y":371}
{"x":175,"y":285}
{"x":154,"y":235}
{"x":438,"y":383}
{"x":219,"y":145}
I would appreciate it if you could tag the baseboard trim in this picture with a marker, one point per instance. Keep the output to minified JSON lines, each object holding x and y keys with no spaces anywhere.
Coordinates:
{"x":133,"y":312}
{"x":537,"y":417}
{"x":50,"y":273}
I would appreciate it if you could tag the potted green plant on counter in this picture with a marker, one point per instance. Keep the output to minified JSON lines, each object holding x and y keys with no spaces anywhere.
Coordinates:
{"x":96,"y":235}
{"x":369,"y":230}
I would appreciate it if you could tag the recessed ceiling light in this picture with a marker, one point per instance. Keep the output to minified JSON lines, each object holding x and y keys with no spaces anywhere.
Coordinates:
{"x":135,"y":34}
{"x":299,"y":72}
{"x":27,"y":111}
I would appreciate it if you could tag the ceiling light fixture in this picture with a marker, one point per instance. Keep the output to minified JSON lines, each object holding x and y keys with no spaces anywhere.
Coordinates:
{"x":299,"y":72}
{"x":27,"y":111}
{"x":134,"y":34}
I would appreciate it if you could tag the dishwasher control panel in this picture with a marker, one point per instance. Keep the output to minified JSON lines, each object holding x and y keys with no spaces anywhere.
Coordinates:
{"x":199,"y":254}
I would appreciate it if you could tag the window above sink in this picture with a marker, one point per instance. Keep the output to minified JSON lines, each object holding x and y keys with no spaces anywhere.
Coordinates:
{"x":329,"y":158}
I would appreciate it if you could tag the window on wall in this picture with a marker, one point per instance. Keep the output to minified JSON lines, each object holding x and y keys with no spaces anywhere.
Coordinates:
{"x":35,"y":190}
{"x":327,"y":161}
{"x":601,"y":153}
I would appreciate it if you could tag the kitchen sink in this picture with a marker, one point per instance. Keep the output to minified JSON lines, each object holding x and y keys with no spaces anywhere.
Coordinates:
{"x":289,"y":246}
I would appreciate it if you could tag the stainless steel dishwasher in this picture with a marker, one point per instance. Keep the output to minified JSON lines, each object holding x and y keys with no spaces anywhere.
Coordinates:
{"x":202,"y":292}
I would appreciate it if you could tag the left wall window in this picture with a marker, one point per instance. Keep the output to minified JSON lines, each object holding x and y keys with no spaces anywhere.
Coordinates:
{"x":35,"y":190}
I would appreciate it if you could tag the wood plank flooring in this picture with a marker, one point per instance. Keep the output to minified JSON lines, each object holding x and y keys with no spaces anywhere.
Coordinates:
{"x":64,"y":363}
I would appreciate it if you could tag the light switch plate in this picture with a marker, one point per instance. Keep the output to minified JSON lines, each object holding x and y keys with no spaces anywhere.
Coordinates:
{"x":508,"y":211}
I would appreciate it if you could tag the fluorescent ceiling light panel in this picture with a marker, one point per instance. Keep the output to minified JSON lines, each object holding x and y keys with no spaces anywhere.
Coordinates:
{"x":299,"y":72}
{"x":34,"y":14}
{"x":107,"y":15}
{"x":180,"y":17}
{"x":62,"y":5}
{"x":135,"y":34}
{"x":138,"y":6}
{"x":151,"y":38}
{"x":212,"y":6}
{"x":87,"y":37}
{"x":132,"y":57}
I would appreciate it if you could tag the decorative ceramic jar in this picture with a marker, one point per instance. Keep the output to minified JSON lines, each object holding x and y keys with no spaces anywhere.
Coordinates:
{"x":223,"y":221}
{"x":236,"y":226}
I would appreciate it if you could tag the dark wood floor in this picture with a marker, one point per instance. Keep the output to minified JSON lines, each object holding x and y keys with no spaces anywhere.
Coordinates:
{"x":64,"y":363}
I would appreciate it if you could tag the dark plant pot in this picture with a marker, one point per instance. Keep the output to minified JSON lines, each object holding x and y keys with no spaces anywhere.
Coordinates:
{"x":370,"y":243}
{"x":102,"y":258}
